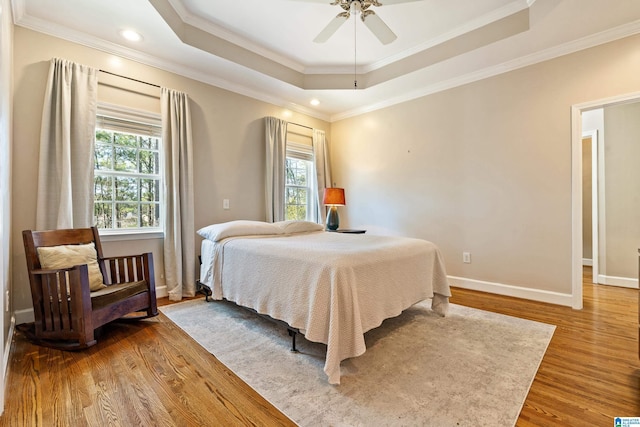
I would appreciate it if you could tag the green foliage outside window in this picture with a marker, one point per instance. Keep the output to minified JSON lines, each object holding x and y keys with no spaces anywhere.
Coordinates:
{"x":297,"y":192}
{"x":127,"y":180}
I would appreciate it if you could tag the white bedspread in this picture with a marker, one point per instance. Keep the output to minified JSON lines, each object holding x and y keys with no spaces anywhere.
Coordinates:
{"x":333,"y":287}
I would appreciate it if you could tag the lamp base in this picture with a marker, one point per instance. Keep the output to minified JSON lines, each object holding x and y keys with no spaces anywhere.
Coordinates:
{"x":333,"y":221}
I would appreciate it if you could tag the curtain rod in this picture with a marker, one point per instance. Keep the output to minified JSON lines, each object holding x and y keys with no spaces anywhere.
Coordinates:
{"x":302,"y":126}
{"x":130,"y":78}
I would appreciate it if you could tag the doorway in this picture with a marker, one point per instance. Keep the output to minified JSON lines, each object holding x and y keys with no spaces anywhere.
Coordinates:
{"x":577,"y":193}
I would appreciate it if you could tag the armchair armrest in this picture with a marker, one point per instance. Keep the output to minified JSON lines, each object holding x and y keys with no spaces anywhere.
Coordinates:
{"x":57,"y":292}
{"x":131,"y":268}
{"x":72,"y":281}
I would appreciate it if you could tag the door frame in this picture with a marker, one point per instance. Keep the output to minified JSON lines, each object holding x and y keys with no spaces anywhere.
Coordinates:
{"x":576,"y":187}
{"x":595,"y":197}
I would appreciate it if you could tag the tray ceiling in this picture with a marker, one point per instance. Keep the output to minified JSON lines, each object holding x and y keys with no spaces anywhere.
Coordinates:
{"x":265,"y":49}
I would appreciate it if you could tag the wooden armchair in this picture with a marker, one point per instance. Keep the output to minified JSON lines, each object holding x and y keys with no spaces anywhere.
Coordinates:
{"x":66,"y":310}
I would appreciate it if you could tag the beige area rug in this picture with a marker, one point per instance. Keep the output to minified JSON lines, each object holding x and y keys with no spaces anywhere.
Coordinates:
{"x":471,"y":368}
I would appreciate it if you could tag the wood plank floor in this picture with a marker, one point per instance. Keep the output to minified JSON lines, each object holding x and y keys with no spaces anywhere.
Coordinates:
{"x":590,"y":372}
{"x":150,"y":373}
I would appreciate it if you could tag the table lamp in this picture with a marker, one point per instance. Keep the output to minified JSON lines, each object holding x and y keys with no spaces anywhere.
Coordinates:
{"x":333,"y":197}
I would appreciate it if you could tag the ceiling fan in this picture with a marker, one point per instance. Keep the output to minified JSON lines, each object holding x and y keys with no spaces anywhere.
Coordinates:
{"x":368,"y":16}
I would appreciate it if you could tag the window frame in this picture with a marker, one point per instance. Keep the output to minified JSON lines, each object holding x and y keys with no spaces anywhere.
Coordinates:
{"x":127,"y":120}
{"x":303,"y":152}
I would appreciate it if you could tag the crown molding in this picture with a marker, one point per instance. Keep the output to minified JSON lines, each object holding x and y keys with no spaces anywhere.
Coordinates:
{"x":219,"y":31}
{"x":18,"y":9}
{"x":482,"y":21}
{"x":205,"y":25}
{"x":22,"y":19}
{"x":583,"y":43}
{"x":46,"y":27}
{"x":506,"y":26}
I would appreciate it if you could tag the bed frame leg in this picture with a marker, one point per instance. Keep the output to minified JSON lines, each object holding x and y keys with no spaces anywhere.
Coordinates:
{"x":201,"y":288}
{"x":292,"y":334}
{"x":290,"y":329}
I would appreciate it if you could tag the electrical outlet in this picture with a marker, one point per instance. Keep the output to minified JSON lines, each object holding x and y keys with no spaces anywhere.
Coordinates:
{"x":466,"y":257}
{"x":225,"y":204}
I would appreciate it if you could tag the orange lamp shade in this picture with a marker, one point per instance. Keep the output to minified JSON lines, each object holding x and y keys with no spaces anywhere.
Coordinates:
{"x":334,"y":197}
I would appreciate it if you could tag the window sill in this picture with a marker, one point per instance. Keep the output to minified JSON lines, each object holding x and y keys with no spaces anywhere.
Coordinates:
{"x":110,"y":236}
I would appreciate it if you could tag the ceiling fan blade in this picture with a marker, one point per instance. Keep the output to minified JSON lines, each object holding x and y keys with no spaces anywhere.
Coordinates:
{"x":332,"y":27}
{"x":388,"y":2}
{"x":378,"y":27}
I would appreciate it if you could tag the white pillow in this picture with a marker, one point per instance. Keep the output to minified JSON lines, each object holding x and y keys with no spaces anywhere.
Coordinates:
{"x":216,"y":232}
{"x":293,"y":226}
{"x":66,"y":256}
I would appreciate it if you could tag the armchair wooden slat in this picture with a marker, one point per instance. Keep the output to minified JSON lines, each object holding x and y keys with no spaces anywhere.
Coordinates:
{"x":125,"y":268}
{"x":66,"y":311}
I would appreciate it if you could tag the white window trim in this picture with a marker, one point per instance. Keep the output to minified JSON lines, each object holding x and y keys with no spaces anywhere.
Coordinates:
{"x":305,"y":152}
{"x":116,"y":235}
{"x":145,"y":117}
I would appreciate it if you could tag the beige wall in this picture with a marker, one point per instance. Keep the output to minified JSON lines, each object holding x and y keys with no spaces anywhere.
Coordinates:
{"x":622,"y":190}
{"x":227,"y":132}
{"x":484,"y":168}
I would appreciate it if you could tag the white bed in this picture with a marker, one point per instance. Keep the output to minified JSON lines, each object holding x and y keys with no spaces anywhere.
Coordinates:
{"x":333,"y":287}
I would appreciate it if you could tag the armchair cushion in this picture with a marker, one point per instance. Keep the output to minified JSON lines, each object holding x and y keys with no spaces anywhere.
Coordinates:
{"x":66,"y":256}
{"x":114,"y":293}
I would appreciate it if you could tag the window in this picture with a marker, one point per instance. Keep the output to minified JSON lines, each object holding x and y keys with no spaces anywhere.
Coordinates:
{"x":128,"y":171}
{"x":300,"y":188}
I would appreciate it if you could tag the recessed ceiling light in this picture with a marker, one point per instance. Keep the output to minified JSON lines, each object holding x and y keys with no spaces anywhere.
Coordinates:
{"x":315,"y":102}
{"x":131,"y":35}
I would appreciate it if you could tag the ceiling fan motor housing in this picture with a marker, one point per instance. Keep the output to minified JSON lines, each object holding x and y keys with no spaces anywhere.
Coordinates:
{"x":355,"y":6}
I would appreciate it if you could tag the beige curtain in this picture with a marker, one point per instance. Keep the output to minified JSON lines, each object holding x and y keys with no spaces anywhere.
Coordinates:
{"x":323,"y":170}
{"x":276,"y":146}
{"x":179,"y":230}
{"x":67,"y":138}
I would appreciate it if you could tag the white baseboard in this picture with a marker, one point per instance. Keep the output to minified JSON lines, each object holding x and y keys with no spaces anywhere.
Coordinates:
{"x":161,"y":291}
{"x":24,"y":316}
{"x":624,"y":282}
{"x":5,"y":361}
{"x":587,"y":262}
{"x":7,"y":346}
{"x":512,"y":291}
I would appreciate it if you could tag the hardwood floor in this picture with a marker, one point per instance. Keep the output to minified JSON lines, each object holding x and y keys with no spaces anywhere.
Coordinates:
{"x":151,"y":373}
{"x":145,"y":373}
{"x":591,"y":371}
